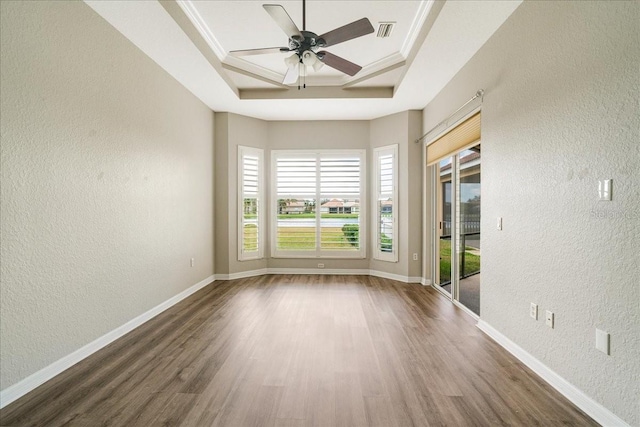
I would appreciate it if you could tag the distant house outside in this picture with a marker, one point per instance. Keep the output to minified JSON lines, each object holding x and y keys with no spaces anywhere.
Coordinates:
{"x":339,"y":206}
{"x":293,"y":207}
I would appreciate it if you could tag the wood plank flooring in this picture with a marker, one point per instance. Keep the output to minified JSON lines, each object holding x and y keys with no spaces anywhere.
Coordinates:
{"x":300,"y":351}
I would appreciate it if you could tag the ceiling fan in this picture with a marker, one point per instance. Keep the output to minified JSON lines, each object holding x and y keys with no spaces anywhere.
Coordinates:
{"x":306,"y":45}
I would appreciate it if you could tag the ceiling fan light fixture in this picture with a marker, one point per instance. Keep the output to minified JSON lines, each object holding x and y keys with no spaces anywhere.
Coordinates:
{"x":309,"y":58}
{"x":292,"y":60}
{"x":306,"y":44}
{"x":317,"y":65}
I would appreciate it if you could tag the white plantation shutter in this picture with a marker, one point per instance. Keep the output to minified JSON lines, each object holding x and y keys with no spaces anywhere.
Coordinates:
{"x":385,"y":204}
{"x":250,"y":201}
{"x":340,"y":180}
{"x":250,"y":176}
{"x":340,"y":176}
{"x":385,"y":176}
{"x":303,"y":182}
{"x":296,"y":177}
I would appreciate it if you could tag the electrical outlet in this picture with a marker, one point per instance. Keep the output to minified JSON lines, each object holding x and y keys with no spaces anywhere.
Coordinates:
{"x":415,"y":256}
{"x":193,"y":262}
{"x":549,"y":319}
{"x":533,"y":311}
{"x":320,"y":265}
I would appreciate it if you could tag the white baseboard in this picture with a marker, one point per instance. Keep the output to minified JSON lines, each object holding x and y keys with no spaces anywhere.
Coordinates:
{"x":242,"y":274}
{"x":425,"y":282}
{"x":14,"y":392}
{"x":392,"y":276}
{"x":322,"y":271}
{"x":338,"y":271}
{"x":21,"y":388}
{"x":592,"y":408}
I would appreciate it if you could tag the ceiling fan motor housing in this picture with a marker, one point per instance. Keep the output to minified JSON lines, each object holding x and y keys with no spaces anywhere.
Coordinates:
{"x":310,"y":42}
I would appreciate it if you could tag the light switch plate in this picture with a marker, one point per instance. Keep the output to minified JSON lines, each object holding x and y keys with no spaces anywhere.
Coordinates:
{"x":499,"y":224}
{"x":604,"y":190}
{"x":602,"y":341}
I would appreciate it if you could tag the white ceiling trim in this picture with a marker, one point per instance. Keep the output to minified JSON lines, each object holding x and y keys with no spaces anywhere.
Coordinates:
{"x":368,"y":71}
{"x":194,"y":16}
{"x":460,"y":29}
{"x":254,"y":69}
{"x":418,"y":21}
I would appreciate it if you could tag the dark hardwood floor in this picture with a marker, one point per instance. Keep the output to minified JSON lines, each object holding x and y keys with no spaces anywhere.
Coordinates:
{"x":301,"y":351}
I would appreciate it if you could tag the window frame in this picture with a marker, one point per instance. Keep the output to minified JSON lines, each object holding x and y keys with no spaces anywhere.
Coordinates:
{"x":318,"y":252}
{"x":377,"y":252}
{"x":259,"y":154}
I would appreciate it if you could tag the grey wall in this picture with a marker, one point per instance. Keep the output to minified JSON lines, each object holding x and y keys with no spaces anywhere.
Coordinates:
{"x":559,"y":113}
{"x":233,"y":130}
{"x":288,"y":135}
{"x":402,"y":129}
{"x":107,"y":186}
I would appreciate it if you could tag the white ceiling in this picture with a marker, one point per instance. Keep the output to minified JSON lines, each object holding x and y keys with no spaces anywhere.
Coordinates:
{"x":201,"y":63}
{"x":233,"y":25}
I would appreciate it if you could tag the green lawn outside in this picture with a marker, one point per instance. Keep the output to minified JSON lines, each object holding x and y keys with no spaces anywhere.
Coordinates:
{"x":304,"y":238}
{"x":471,"y":262}
{"x":250,"y":240}
{"x":300,"y":238}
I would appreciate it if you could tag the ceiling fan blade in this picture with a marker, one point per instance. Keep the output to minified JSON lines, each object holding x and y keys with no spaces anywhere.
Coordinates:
{"x":283,"y":20}
{"x":339,"y":63}
{"x":356,"y":29}
{"x":292,"y":75}
{"x":262,"y":51}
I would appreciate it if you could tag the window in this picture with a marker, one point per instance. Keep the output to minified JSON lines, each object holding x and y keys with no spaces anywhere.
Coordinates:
{"x":317,"y":204}
{"x":385,"y":233}
{"x":251,"y":234}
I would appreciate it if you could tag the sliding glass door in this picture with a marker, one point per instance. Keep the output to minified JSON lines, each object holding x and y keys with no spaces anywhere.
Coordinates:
{"x":457,"y":227}
{"x":444,"y":223}
{"x":469,"y":235}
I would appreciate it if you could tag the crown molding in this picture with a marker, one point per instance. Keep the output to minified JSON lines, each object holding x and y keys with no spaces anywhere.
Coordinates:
{"x":198,"y":21}
{"x":318,"y":92}
{"x":234,"y":64}
{"x":416,"y":26}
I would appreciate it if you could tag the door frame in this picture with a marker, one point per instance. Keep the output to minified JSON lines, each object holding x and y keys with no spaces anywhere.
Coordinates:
{"x":430,"y":246}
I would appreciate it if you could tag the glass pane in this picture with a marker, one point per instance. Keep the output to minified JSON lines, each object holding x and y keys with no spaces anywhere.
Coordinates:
{"x":340,"y":224}
{"x":444,"y":228}
{"x":385,"y":221}
{"x":296,"y":224}
{"x":469,"y":293}
{"x":250,"y":224}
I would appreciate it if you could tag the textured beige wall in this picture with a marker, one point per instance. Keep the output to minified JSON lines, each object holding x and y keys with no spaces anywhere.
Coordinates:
{"x":106,"y":183}
{"x":560,"y":112}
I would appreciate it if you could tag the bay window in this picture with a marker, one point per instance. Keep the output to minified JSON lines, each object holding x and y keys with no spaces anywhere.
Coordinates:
{"x":317,"y":204}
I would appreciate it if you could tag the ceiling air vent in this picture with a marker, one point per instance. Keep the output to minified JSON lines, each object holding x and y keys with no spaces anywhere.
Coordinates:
{"x":385,"y":29}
